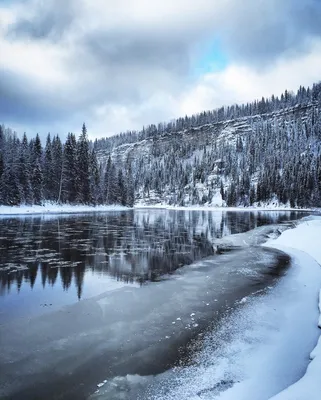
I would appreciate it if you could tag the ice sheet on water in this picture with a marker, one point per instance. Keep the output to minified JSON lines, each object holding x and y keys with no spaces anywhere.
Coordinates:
{"x":247,"y":271}
{"x":121,"y":387}
{"x":230,"y":366}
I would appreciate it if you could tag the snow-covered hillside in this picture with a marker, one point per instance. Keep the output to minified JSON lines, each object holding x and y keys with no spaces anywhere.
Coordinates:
{"x":265,"y":159}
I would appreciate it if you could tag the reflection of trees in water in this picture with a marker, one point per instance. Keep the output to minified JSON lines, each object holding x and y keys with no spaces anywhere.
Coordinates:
{"x":129,"y":246}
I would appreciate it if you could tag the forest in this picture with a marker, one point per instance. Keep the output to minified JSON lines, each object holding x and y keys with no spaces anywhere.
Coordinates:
{"x":59,"y":173}
{"x":240,"y":155}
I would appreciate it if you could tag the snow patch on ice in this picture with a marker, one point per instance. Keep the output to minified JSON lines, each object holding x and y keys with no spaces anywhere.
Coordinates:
{"x":102,"y":383}
{"x":120,"y":387}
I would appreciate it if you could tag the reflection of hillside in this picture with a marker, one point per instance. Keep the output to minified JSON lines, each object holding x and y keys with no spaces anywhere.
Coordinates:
{"x":130,"y":246}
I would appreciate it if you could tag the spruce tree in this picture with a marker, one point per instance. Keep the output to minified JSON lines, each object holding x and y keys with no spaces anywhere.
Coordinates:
{"x":106,"y":184}
{"x":23,"y":172}
{"x":83,"y":173}
{"x":37,"y":183}
{"x":9,"y":187}
{"x":56,"y":167}
{"x":130,"y":188}
{"x":95,"y":189}
{"x":69,"y":183}
{"x":122,"y":192}
{"x":48,"y":174}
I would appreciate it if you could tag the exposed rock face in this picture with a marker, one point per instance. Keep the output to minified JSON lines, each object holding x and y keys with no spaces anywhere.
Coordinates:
{"x":242,"y":161}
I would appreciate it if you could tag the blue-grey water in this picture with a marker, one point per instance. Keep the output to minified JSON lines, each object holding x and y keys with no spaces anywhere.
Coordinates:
{"x":106,"y":290}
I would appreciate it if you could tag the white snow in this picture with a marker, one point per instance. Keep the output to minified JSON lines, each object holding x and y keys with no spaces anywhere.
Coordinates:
{"x":267,"y":207}
{"x":305,"y":237}
{"x":319,"y":325}
{"x":308,"y":387}
{"x":102,"y":383}
{"x":52,"y":208}
{"x":262,"y":350}
{"x":316,"y":350}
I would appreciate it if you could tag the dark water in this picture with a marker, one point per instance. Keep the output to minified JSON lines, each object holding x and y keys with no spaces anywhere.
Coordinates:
{"x":93,"y":297}
{"x":46,"y":262}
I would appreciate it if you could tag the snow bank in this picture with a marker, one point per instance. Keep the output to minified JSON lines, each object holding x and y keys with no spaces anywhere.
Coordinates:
{"x":308,"y":387}
{"x":215,"y":208}
{"x":57,"y":209}
{"x":319,"y":325}
{"x":305,"y":237}
{"x":259,"y":349}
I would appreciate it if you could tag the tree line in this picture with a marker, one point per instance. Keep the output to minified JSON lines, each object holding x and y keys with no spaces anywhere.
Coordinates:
{"x":275,"y":158}
{"x":288,"y":99}
{"x":246,"y":154}
{"x":59,"y":172}
{"x":270,"y":153}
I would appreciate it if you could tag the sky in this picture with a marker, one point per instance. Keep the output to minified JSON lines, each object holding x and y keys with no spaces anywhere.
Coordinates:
{"x":119,"y":65}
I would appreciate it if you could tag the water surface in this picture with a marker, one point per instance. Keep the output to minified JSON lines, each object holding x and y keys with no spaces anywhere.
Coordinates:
{"x":50,"y":261}
{"x":93,"y":297}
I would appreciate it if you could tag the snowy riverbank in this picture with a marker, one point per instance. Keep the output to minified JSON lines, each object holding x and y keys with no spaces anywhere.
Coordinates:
{"x":51,"y":208}
{"x":261,"y":350}
{"x":267,"y":207}
{"x":305,"y":237}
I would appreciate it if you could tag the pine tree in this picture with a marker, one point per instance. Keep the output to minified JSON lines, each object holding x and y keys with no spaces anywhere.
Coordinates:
{"x":83,"y":174}
{"x":2,"y":139}
{"x":23,"y":172}
{"x":37,"y":149}
{"x":111,"y":186}
{"x":1,"y":164}
{"x":113,"y":193}
{"x":122,"y":190}
{"x":130,"y":188}
{"x":48,"y":174}
{"x":56,"y":150}
{"x":106,"y":184}
{"x":95,"y":189}
{"x":69,"y":184}
{"x":9,"y":188}
{"x":222,"y":191}
{"x":37,"y":183}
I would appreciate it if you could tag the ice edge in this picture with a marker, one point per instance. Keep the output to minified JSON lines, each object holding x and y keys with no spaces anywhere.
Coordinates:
{"x":311,"y":376}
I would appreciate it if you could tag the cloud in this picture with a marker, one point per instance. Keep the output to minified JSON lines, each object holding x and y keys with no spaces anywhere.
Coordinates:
{"x":261,"y":31}
{"x":44,"y":20}
{"x":242,"y":84}
{"x":119,"y":65}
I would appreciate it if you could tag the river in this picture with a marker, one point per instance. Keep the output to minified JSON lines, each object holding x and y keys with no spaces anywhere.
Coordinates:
{"x":90,"y":297}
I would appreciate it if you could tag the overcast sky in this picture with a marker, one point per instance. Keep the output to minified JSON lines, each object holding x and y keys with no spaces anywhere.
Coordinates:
{"x":119,"y":65}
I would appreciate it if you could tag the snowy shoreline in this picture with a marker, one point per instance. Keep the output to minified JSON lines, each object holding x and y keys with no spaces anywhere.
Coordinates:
{"x":51,"y":208}
{"x":217,"y":208}
{"x":58,"y":209}
{"x":305,"y":238}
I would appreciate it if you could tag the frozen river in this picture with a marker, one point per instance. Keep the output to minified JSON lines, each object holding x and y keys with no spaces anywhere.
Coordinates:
{"x":118,"y":298}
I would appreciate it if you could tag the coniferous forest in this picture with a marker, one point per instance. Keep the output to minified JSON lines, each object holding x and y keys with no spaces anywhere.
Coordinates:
{"x":255,"y":153}
{"x":31,"y":173}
